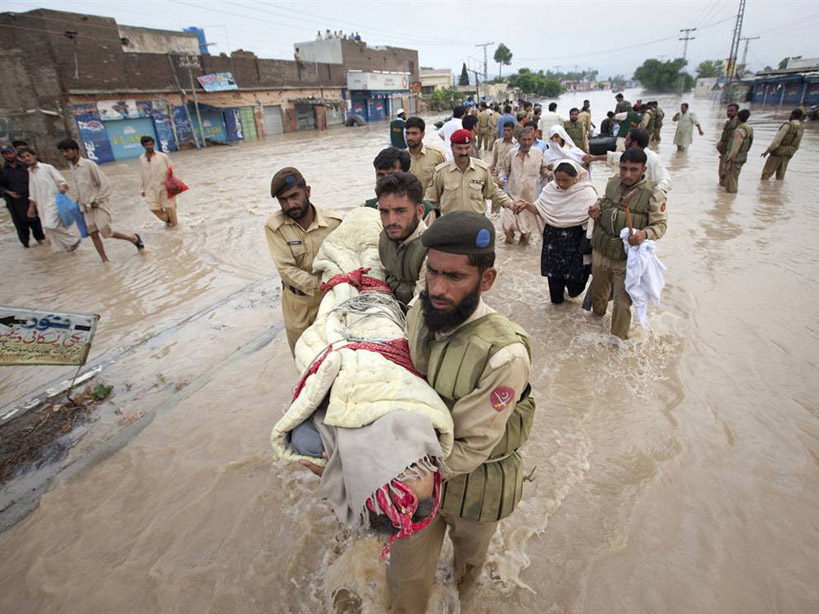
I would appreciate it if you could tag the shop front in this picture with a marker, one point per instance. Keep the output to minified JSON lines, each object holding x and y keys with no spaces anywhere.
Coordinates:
{"x":377,"y":95}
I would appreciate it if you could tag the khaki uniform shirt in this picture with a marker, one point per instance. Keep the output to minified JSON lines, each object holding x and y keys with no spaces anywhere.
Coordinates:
{"x":423,"y":165}
{"x":293,"y":248}
{"x":657,"y":218}
{"x":736,"y":142}
{"x":523,"y":173}
{"x":499,"y":151}
{"x":92,"y":185}
{"x":455,"y":190}
{"x":780,"y":134}
{"x":584,"y":117}
{"x":478,"y":426}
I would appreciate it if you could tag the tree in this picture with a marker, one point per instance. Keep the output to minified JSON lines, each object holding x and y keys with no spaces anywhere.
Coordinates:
{"x":783,"y":64}
{"x":657,"y":76}
{"x":535,"y":83}
{"x":503,"y":55}
{"x":444,"y":98}
{"x":618,"y":82}
{"x":710,"y":68}
{"x":464,"y":79}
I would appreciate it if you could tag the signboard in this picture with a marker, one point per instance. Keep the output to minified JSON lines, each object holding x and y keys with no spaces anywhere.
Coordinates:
{"x":218,"y":82}
{"x":32,"y":337}
{"x":377,"y":81}
{"x":123,"y":109}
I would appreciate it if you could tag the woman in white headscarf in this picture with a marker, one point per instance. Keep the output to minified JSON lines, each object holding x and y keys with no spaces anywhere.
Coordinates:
{"x":562,"y":147}
{"x":562,"y":210}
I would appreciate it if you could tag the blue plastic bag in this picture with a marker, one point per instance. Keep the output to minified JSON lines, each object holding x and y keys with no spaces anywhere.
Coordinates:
{"x":69,"y":211}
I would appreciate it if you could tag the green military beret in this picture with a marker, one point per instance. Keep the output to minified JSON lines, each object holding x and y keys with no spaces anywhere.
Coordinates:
{"x":461,"y":232}
{"x":286,"y":178}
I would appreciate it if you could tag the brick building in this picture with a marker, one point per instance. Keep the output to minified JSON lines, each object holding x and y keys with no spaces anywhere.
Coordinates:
{"x":84,"y":76}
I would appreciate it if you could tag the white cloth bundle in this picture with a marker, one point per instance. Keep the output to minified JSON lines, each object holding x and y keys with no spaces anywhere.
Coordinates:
{"x":644,"y":275}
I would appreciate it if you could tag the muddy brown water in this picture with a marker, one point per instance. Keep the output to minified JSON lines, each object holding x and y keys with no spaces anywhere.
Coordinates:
{"x":677,"y":472}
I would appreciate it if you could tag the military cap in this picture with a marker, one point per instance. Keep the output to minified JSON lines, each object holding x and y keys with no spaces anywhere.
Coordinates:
{"x":461,"y":137}
{"x":284,"y":179}
{"x":6,"y":149}
{"x":461,"y":232}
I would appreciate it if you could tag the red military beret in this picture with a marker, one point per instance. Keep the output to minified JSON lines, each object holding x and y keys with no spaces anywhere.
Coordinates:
{"x":462,"y":136}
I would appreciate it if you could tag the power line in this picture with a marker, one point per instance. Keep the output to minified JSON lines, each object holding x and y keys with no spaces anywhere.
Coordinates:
{"x":747,"y":40}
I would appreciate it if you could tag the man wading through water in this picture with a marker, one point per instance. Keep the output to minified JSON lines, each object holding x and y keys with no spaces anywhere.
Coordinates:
{"x":478,"y":362}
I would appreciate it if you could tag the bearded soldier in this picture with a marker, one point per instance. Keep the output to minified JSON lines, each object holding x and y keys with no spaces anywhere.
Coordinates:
{"x":478,"y":362}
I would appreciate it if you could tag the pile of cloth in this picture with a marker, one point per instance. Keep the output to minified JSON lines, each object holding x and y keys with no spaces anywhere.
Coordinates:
{"x":381,"y":425}
{"x":644,"y":275}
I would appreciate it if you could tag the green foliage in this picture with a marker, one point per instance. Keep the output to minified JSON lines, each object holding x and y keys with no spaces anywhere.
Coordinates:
{"x":657,"y":76}
{"x":101,"y":392}
{"x":710,"y":68}
{"x":464,"y":78}
{"x":783,"y":64}
{"x":444,"y":99}
{"x":503,"y":56}
{"x":618,"y":82}
{"x":426,"y":68}
{"x":535,"y":83}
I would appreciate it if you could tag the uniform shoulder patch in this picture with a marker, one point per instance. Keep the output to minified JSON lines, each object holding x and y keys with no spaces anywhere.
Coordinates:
{"x":502,"y":397}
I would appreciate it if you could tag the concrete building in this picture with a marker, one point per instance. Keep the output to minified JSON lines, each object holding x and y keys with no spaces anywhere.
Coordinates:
{"x":434,"y":79}
{"x":795,"y":85}
{"x":87,"y":77}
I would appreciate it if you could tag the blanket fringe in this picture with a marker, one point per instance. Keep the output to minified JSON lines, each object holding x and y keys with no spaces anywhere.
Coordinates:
{"x":398,"y":503}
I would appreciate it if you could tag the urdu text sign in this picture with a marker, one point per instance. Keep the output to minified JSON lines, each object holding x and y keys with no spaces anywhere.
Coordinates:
{"x":33,"y":337}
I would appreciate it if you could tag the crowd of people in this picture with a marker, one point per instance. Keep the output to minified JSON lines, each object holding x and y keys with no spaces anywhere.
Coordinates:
{"x":437,"y":251}
{"x":353,"y":36}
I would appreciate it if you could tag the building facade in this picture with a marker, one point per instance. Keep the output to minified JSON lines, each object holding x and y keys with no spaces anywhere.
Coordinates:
{"x":107,"y":85}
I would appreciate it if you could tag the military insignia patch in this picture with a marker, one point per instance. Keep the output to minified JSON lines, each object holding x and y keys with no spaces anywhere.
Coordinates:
{"x":501,"y":398}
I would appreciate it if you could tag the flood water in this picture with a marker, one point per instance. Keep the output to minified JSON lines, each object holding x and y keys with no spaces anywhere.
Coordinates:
{"x":677,"y":472}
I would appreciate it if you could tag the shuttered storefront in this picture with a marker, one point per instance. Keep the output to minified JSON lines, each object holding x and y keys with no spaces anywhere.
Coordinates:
{"x":273,"y":120}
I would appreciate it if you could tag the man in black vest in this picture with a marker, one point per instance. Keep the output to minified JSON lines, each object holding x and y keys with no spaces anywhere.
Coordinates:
{"x":478,"y":362}
{"x":400,"y":204}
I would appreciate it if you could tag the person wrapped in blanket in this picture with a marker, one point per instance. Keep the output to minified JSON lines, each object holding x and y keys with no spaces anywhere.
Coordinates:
{"x":361,"y":416}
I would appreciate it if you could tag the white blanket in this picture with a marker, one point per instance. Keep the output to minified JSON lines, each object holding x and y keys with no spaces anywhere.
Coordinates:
{"x":363,"y":385}
{"x":644,"y":275}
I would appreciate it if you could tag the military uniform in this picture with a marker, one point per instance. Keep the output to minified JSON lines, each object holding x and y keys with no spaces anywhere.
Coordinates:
{"x":577,"y":131}
{"x":655,"y":138}
{"x":647,"y":206}
{"x":455,"y":190}
{"x":485,"y":133}
{"x":628,"y":121}
{"x":737,"y":154}
{"x":622,"y":107}
{"x":293,"y":249}
{"x":423,"y":165}
{"x":404,"y":263}
{"x":481,"y":370}
{"x":781,"y":150}
{"x":724,"y":144}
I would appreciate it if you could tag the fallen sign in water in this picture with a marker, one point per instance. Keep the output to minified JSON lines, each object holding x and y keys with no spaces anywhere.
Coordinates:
{"x":33,"y":337}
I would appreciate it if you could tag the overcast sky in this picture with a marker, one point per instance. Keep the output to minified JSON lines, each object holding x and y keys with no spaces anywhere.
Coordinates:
{"x":613,"y":37}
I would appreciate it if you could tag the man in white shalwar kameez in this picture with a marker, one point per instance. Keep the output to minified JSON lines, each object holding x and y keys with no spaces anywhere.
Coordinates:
{"x":686,"y":120}
{"x":44,"y":182}
{"x":523,"y":168}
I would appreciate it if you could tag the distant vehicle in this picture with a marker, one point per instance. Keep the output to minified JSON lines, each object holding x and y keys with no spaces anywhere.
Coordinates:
{"x":813,"y":112}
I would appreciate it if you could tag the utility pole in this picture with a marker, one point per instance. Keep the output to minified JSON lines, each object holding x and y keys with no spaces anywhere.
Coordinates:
{"x":747,"y":40}
{"x":485,"y":60}
{"x":685,"y":38}
{"x":727,"y":93}
{"x":184,"y":103}
{"x":477,"y":82}
{"x":190,"y":62}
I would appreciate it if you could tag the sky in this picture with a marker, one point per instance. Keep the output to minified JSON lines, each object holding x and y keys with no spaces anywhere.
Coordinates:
{"x":612,"y":37}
